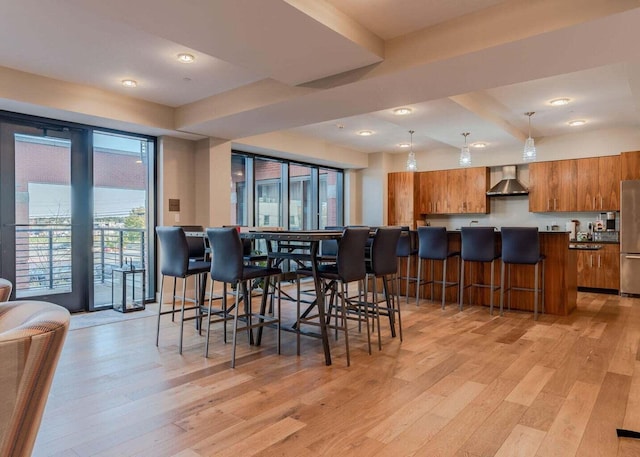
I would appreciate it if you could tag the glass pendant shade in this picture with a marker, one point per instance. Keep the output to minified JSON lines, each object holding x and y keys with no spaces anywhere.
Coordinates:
{"x":529,"y":152}
{"x":465,"y":154}
{"x":411,"y":159}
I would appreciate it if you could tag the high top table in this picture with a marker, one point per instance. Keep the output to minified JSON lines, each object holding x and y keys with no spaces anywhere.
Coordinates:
{"x":307,"y":241}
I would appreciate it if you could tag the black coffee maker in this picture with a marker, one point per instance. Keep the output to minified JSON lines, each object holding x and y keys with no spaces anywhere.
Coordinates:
{"x":610,"y":221}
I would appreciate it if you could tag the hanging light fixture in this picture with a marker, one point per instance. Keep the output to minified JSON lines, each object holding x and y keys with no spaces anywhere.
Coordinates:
{"x":529,"y":153}
{"x":411,"y":160}
{"x":465,"y":154}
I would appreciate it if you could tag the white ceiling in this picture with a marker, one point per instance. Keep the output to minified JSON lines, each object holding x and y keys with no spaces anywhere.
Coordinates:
{"x":307,"y":66}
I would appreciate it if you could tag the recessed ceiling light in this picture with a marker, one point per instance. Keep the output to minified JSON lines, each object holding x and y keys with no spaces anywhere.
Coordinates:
{"x":186,"y":58}
{"x":404,"y":145}
{"x":129,"y":83}
{"x":479,"y":145}
{"x":559,"y":102}
{"x":402,"y":111}
{"x":577,"y":122}
{"x":365,"y":133}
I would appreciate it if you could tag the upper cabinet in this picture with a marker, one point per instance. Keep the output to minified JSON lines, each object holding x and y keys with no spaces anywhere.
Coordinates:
{"x":598,"y":184}
{"x":630,"y":165}
{"x":457,"y":191}
{"x":590,"y":184}
{"x":402,"y":187}
{"x":552,"y":186}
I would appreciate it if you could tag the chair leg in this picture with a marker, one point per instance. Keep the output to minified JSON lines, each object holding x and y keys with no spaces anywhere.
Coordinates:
{"x":173,"y":301}
{"x":461,"y":285}
{"x":159,"y":311}
{"x":246,"y":297}
{"x":542,"y":288}
{"x":235,"y":327}
{"x":298,"y":316}
{"x":432,"y":263}
{"x":206,"y":343}
{"x":397,"y":303}
{"x":501,"y":288}
{"x":184,"y":296}
{"x":444,"y":281}
{"x":344,"y":324}
{"x":376,"y":309}
{"x":535,"y":292}
{"x":408,"y":276}
{"x":418,"y":280}
{"x":492,"y":293}
{"x":390,"y":301}
{"x":224,"y":310}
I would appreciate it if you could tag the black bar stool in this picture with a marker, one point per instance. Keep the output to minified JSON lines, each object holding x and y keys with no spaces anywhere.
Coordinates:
{"x":407,"y":248}
{"x":434,"y":245}
{"x":478,"y":245}
{"x":228,"y":266}
{"x":384,"y":264}
{"x":176,"y":264}
{"x":521,"y":246}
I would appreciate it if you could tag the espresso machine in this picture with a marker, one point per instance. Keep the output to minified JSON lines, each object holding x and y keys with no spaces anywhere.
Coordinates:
{"x":610,"y":221}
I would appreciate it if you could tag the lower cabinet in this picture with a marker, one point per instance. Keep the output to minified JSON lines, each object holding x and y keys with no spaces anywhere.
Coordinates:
{"x":599,"y":269}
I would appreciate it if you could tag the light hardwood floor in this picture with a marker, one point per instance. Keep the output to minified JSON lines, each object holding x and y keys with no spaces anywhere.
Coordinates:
{"x":461,"y":384}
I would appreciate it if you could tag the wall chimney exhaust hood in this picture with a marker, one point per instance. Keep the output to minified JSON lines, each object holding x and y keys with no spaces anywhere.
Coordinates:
{"x":509,"y":185}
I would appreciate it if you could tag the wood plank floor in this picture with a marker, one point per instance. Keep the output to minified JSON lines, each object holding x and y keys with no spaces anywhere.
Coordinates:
{"x":461,"y":384}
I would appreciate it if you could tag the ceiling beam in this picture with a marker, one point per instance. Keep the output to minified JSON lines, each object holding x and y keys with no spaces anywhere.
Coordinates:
{"x":488,"y":108}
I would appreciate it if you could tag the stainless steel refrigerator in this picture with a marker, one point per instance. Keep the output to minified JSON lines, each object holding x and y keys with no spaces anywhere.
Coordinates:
{"x":630,"y":237}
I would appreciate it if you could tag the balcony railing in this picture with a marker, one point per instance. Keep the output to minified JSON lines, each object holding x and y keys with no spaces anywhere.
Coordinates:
{"x":43,"y":257}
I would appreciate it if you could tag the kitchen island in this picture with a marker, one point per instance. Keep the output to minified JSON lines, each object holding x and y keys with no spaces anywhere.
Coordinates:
{"x":560,"y":277}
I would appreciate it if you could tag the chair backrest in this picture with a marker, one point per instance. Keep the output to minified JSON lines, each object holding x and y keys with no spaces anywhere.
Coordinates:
{"x":407,"y":242}
{"x":433,"y":243}
{"x":5,"y":289}
{"x":479,"y":244}
{"x":384,"y":260}
{"x":330,"y":247}
{"x":31,"y":337}
{"x":197,"y":248}
{"x":351,"y":254}
{"x":175,"y":251}
{"x":227,"y":261}
{"x":520,"y":245}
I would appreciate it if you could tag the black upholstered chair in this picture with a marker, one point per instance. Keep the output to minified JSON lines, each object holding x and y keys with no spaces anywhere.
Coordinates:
{"x":197,"y":248}
{"x":329,"y":248}
{"x":348,"y":267}
{"x":407,"y":248}
{"x":521,"y":246}
{"x":228,"y":266}
{"x":176,"y":264}
{"x":434,"y":245}
{"x":478,"y":245}
{"x":384,"y":264}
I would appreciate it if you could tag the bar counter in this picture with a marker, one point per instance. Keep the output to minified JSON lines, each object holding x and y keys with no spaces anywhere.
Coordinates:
{"x":560,"y":277}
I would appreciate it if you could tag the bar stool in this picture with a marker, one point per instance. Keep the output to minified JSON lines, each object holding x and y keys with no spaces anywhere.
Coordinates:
{"x":407,"y":248}
{"x":434,"y":245}
{"x":384,"y":264}
{"x":228,"y":266}
{"x":521,"y":246}
{"x":176,"y":264}
{"x":478,"y":245}
{"x":349,"y":267}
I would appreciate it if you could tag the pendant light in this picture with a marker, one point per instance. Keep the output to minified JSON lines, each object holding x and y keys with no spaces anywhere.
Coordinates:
{"x":465,"y":154}
{"x":411,"y":160}
{"x":529,"y":153}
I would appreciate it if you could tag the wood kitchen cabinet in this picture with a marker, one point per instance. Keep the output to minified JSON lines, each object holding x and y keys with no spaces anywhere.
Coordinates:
{"x":599,"y":269}
{"x":552,"y":186}
{"x":433,"y":192}
{"x":598,"y":184}
{"x":402,"y":187}
{"x":630,"y":165}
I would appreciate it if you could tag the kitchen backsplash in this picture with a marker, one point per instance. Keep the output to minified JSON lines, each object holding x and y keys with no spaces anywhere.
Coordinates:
{"x":514,"y":211}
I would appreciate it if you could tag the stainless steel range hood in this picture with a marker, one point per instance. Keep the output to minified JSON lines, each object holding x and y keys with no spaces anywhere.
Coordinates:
{"x":509,"y":185}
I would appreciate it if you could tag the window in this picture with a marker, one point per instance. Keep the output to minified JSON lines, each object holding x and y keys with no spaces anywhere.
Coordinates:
{"x":267,"y":192}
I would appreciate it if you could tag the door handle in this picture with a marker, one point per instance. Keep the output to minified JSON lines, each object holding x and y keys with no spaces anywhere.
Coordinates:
{"x":599,"y":261}
{"x":591,"y":260}
{"x":632,"y":257}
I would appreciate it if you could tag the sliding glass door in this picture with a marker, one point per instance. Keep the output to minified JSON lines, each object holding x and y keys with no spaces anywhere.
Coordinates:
{"x":44,"y":223}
